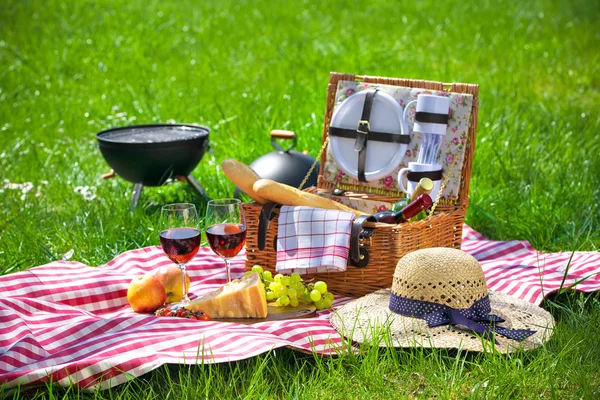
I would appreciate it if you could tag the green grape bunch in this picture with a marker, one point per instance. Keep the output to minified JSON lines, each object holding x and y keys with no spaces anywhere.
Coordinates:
{"x":290,"y":290}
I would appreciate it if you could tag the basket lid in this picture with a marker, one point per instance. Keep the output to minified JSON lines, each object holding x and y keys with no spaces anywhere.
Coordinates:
{"x":459,"y":139}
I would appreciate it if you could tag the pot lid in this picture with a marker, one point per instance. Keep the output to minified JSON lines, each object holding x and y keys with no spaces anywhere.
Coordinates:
{"x":289,"y":167}
{"x":386,"y":116}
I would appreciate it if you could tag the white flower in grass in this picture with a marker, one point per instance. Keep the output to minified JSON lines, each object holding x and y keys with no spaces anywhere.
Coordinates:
{"x":23,"y":187}
{"x":88,"y":192}
{"x":26,"y":187}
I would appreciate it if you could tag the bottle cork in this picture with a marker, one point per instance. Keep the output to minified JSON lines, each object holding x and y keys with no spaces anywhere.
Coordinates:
{"x":425,"y":186}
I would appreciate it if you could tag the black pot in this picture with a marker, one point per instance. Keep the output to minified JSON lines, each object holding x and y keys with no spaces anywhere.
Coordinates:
{"x":152,"y":163}
{"x":285,"y":166}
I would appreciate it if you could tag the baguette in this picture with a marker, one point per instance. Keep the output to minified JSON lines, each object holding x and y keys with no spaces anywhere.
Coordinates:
{"x":290,"y":196}
{"x":243,"y":177}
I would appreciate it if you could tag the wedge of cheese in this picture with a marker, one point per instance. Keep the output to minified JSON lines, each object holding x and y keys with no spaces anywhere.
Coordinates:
{"x":240,"y":298}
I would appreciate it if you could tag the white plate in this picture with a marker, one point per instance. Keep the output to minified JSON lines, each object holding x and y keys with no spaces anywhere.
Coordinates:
{"x":386,"y":116}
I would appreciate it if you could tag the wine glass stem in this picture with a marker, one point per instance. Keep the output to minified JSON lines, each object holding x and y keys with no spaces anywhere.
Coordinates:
{"x":184,"y":296}
{"x":227,"y":273}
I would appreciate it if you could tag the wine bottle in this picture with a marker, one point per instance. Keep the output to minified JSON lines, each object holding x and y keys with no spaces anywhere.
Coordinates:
{"x":421,"y":203}
{"x":400,"y":204}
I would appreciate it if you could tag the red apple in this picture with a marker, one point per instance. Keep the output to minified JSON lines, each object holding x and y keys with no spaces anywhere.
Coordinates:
{"x":146,"y":294}
{"x":170,"y":277}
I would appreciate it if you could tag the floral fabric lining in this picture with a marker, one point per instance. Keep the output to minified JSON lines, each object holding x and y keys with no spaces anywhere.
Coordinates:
{"x":453,"y":143}
{"x":365,"y":205}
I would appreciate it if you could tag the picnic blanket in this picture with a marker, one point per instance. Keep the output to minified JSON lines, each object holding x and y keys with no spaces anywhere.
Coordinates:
{"x":69,"y":323}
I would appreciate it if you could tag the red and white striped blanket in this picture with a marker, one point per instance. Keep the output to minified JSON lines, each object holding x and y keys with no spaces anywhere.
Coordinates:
{"x":66,"y":322}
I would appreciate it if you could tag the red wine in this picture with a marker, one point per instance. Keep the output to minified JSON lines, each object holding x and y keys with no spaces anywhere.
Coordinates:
{"x":422,"y":202}
{"x":226,"y":239}
{"x":180,"y":244}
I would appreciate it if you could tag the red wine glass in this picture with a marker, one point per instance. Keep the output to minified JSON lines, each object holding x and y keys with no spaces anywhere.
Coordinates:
{"x":226,"y":229}
{"x":180,"y":238}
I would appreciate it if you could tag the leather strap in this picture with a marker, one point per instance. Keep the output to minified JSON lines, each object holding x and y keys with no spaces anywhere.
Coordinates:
{"x":366,"y":233}
{"x":362,"y":134}
{"x":363,"y":259}
{"x":373,"y":136}
{"x":433,"y":118}
{"x":356,"y":234}
{"x":415,"y":176}
{"x":266,"y":215}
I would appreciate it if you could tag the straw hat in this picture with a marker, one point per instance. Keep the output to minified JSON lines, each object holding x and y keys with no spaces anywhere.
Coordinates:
{"x":439,"y":298}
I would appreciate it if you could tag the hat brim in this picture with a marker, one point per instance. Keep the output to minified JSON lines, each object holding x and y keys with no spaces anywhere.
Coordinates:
{"x":369,"y":320}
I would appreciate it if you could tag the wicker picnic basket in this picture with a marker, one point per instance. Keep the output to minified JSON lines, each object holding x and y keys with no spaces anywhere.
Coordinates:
{"x":388,"y":243}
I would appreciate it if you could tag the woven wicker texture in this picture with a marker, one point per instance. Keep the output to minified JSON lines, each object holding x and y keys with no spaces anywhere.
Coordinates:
{"x":369,"y":319}
{"x":389,"y":242}
{"x":445,"y":276}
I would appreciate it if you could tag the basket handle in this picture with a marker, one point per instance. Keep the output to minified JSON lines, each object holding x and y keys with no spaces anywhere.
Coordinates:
{"x":358,"y":256}
{"x":266,"y":215}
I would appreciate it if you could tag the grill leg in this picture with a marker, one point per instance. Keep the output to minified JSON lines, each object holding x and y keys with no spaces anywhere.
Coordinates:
{"x":192,"y":181}
{"x":137,"y":192}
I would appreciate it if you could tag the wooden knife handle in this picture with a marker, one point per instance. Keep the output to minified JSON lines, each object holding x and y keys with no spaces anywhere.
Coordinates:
{"x":109,"y":175}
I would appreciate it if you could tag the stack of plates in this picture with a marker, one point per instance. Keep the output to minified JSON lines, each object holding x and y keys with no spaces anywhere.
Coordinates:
{"x":382,"y":157}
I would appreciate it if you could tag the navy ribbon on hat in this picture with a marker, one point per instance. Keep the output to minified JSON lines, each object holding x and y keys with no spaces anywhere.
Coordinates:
{"x":477,"y":317}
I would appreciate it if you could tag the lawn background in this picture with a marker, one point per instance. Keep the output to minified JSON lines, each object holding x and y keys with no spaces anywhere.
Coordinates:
{"x":72,"y":68}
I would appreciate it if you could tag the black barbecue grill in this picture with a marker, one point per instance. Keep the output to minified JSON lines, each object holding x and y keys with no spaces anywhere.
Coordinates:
{"x":149,"y":155}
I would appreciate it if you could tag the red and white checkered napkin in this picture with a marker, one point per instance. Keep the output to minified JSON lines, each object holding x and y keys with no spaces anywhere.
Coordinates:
{"x":311,"y":240}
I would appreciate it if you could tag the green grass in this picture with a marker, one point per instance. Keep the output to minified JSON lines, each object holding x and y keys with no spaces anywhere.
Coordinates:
{"x":73,"y":68}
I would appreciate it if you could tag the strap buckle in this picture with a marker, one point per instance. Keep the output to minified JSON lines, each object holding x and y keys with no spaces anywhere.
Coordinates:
{"x":363,"y":127}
